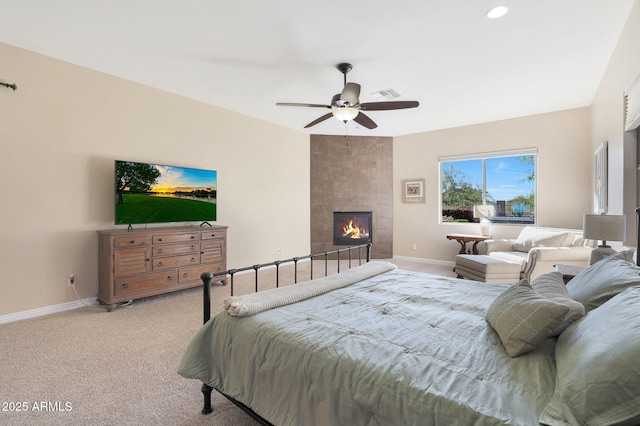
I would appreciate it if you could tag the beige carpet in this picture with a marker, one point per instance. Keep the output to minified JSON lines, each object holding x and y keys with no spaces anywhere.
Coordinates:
{"x":92,"y":367}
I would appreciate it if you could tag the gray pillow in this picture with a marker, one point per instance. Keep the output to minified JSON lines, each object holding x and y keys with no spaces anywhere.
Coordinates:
{"x":604,"y":279}
{"x":523,"y":318}
{"x":551,"y":285}
{"x":598,"y":375}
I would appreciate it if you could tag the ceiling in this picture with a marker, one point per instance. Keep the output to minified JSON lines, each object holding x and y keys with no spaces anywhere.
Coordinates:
{"x":246,"y":55}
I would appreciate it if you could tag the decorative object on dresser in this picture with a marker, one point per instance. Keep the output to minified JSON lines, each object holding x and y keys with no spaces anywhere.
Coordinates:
{"x":142,"y":263}
{"x":606,"y":228}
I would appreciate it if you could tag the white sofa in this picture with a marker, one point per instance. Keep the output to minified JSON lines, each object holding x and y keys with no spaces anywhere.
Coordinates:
{"x":535,"y":251}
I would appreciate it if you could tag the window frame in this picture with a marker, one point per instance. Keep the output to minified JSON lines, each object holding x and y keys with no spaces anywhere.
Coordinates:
{"x":483,"y":156}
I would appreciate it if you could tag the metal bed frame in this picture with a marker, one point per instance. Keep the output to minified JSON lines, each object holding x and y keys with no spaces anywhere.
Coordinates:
{"x":229,"y":274}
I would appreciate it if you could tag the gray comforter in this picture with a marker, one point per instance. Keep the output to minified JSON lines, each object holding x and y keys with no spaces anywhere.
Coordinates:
{"x":400,"y":348}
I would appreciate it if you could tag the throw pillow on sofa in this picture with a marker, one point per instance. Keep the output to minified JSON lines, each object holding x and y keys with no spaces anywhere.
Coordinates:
{"x":534,"y":237}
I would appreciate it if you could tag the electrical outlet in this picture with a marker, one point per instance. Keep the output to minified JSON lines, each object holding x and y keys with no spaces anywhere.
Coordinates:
{"x":414,"y":247}
{"x":71,"y":280}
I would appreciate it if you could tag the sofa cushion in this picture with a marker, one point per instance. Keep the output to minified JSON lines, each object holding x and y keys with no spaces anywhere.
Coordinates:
{"x":537,"y":237}
{"x":511,"y":256}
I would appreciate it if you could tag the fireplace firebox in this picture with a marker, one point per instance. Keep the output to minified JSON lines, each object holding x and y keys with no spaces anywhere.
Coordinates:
{"x":352,"y":228}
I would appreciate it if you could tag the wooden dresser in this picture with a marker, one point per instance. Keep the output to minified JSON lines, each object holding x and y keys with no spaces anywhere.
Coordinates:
{"x":142,"y":263}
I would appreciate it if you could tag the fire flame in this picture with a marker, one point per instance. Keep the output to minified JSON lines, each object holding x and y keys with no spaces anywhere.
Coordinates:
{"x":353,"y":231}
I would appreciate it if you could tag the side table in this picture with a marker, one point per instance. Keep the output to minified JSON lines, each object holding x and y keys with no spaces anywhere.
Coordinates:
{"x":568,"y":271}
{"x":463,"y":239}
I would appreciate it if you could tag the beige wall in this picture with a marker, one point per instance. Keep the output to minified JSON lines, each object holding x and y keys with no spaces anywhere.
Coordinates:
{"x":608,"y":123}
{"x":62,"y":130}
{"x":563,"y":177}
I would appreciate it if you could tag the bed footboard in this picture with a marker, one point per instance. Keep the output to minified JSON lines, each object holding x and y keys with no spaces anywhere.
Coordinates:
{"x":356,"y":255}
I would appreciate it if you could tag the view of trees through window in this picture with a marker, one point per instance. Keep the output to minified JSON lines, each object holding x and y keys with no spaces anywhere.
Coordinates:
{"x":501,"y":189}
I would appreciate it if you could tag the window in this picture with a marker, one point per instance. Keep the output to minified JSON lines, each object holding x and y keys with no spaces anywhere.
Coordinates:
{"x":500,"y":187}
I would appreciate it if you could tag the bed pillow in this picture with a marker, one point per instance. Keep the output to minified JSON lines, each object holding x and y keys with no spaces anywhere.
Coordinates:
{"x":598,"y":374}
{"x":534,"y":237}
{"x":523,"y":318}
{"x":604,"y":279}
{"x":551,"y":285}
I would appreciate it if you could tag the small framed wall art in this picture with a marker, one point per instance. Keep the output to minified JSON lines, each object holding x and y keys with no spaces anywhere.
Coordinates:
{"x":413,"y":191}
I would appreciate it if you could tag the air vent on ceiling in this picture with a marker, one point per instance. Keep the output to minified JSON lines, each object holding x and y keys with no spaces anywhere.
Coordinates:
{"x":387,"y":94}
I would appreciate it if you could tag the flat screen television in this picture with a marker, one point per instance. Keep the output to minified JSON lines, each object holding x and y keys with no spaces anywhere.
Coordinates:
{"x":154,"y":193}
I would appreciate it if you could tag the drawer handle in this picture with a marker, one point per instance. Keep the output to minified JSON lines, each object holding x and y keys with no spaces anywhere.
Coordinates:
{"x":159,"y":239}
{"x":213,"y":235}
{"x":193,"y":247}
{"x":125,"y":285}
{"x":192,"y":237}
{"x":159,"y":250}
{"x":169,"y":278}
{"x":193,"y":259}
{"x":132,"y":241}
{"x":159,"y":263}
{"x":185,"y":275}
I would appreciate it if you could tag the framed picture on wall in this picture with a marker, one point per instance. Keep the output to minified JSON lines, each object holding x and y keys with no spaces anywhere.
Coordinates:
{"x":413,"y":191}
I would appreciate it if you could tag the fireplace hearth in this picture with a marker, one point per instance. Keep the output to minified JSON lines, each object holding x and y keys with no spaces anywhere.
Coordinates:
{"x":352,"y":228}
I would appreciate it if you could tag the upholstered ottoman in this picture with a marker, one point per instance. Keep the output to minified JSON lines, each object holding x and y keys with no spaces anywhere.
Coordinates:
{"x":487,"y":269}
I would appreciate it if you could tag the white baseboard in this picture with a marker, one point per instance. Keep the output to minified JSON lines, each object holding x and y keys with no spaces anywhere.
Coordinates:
{"x":39,"y":312}
{"x":422,"y":260}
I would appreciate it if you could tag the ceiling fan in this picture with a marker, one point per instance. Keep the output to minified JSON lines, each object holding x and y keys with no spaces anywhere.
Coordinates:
{"x":346,"y":106}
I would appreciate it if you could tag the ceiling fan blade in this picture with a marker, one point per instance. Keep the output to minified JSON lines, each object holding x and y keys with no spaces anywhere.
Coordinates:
{"x":303,"y":105}
{"x":365,"y":121}
{"x":350,"y":93}
{"x":385,"y":106}
{"x":319,"y":120}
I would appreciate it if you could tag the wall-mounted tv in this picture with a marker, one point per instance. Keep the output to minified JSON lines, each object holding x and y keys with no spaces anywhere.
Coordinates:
{"x":154,"y":193}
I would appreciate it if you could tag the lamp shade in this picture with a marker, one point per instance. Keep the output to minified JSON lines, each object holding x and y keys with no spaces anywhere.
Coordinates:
{"x":604,"y":227}
{"x":345,"y":113}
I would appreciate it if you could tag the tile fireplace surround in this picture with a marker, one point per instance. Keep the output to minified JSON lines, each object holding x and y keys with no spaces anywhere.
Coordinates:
{"x":352,"y":174}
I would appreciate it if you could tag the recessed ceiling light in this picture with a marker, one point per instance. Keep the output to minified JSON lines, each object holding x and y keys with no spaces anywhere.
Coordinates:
{"x":497,"y":12}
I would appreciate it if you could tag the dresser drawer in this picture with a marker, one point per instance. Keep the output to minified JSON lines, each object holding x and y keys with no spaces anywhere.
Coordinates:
{"x":175,"y":261}
{"x":132,"y":241}
{"x":214,"y":234}
{"x":142,"y":283}
{"x":175,"y":249}
{"x":193,"y":274}
{"x":175,"y":238}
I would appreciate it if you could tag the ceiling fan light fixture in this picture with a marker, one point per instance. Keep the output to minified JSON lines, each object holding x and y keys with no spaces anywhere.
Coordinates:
{"x":497,"y":12}
{"x":345,"y":113}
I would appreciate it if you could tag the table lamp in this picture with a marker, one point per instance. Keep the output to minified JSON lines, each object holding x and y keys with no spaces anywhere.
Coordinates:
{"x":606,"y":228}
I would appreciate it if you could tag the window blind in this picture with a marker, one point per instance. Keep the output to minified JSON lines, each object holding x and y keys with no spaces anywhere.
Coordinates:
{"x":632,"y":105}
{"x":495,"y":154}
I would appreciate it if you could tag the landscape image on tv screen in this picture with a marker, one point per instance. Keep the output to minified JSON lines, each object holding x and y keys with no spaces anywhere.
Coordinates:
{"x":154,"y":193}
